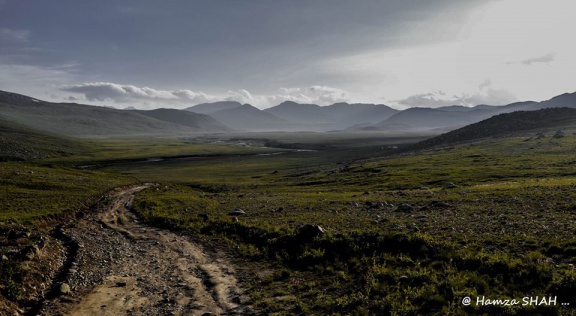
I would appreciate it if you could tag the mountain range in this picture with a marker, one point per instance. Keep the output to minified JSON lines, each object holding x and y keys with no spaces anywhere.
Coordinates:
{"x":85,"y":120}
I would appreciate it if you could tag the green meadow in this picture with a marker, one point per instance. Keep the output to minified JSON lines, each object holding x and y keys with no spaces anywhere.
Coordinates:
{"x":405,"y":233}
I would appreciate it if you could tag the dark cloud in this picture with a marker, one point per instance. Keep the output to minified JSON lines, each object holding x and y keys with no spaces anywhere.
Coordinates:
{"x":223,"y":43}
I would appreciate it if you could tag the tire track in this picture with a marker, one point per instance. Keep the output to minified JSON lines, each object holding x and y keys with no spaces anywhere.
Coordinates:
{"x":124,"y":267}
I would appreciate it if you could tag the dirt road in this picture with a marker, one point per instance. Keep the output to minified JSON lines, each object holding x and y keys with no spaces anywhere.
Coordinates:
{"x":123,"y":267}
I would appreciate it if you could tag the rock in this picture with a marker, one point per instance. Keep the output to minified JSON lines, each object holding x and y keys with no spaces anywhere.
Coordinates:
{"x":120,"y":284}
{"x":540,"y":135}
{"x":424,"y":188}
{"x":204,"y":216}
{"x":440,"y":204}
{"x":4,"y":258}
{"x":450,"y":185}
{"x":380,"y":204}
{"x":559,"y":134}
{"x":65,"y":288}
{"x":237,"y":212}
{"x":309,"y":231}
{"x":403,"y":207}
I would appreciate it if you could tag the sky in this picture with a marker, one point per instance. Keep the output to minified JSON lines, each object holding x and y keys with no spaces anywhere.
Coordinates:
{"x":178,"y":53}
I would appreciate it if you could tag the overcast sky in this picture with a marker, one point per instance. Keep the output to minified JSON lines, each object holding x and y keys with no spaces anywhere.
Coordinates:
{"x":404,"y":53}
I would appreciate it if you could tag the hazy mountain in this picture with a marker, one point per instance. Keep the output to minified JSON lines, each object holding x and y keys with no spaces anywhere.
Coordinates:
{"x":198,"y":121}
{"x":335,"y":116}
{"x":563,"y":100}
{"x":298,"y":112}
{"x":550,"y":119}
{"x":358,"y":113}
{"x":86,"y":120}
{"x":456,"y":108}
{"x":207,"y":108}
{"x":456,"y":116}
{"x":247,"y":117}
{"x":427,"y":118}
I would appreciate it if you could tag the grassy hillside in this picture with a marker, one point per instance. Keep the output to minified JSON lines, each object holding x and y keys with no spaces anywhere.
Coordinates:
{"x":199,"y":122}
{"x":549,"y":120}
{"x":80,"y":120}
{"x":18,"y":142}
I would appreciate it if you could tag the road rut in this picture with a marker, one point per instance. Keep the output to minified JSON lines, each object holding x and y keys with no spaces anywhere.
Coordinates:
{"x":124,"y":267}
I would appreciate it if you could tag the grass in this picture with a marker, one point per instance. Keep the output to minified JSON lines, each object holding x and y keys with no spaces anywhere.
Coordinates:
{"x":32,"y":191}
{"x":506,"y":230}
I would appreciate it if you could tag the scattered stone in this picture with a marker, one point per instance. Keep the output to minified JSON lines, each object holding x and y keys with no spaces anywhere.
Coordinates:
{"x":540,"y":135}
{"x":204,"y":216}
{"x":424,"y":188}
{"x":4,"y":258}
{"x":121,"y":284}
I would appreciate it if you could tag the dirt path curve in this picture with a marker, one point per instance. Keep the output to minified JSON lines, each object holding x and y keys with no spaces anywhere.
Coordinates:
{"x":124,"y":267}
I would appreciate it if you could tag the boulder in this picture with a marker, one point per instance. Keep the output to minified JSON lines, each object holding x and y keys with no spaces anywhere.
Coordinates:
{"x":309,"y":231}
{"x":237,"y":212}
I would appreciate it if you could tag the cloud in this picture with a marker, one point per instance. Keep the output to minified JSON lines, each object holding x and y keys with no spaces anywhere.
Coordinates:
{"x":146,"y":97}
{"x":321,"y":95}
{"x":112,"y":92}
{"x":13,"y":35}
{"x":548,"y":58}
{"x":484,"y":95}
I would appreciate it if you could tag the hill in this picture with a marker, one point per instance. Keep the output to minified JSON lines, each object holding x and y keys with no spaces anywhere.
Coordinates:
{"x":207,"y":108}
{"x":457,"y":116}
{"x":427,"y":118}
{"x":186,"y":118}
{"x":247,"y":117}
{"x":503,"y":125}
{"x":19,"y":142}
{"x":81,"y":120}
{"x":335,"y":116}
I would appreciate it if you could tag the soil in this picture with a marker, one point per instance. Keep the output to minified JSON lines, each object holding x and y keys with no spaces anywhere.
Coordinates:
{"x":120,"y":266}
